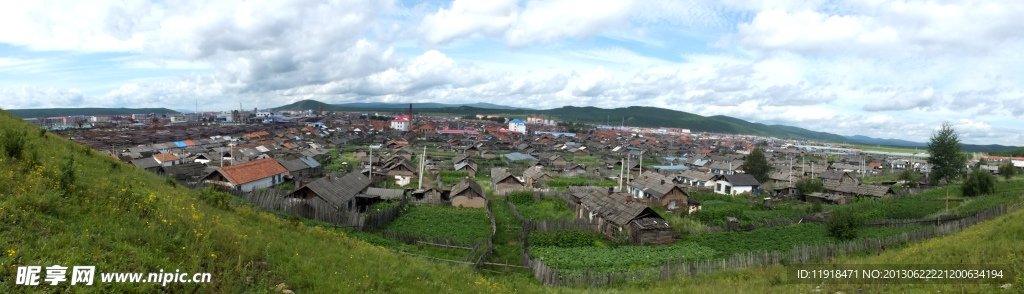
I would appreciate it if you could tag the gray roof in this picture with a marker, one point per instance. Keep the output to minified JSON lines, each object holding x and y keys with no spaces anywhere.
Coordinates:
{"x":516,"y":156}
{"x":467,"y":184}
{"x":612,"y":208}
{"x":292,"y":165}
{"x":741,"y":180}
{"x":384,"y":193}
{"x":144,"y":163}
{"x":339,"y":191}
{"x":654,"y":183}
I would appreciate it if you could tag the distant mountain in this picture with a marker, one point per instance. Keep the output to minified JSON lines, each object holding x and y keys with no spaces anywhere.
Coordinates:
{"x":888,"y":142}
{"x":428,"y":105}
{"x":48,"y":112}
{"x":642,"y":116}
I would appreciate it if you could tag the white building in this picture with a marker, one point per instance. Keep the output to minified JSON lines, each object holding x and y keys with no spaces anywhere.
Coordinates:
{"x":249,"y":176}
{"x":735,"y":184}
{"x":400,"y":123}
{"x":517,"y":125}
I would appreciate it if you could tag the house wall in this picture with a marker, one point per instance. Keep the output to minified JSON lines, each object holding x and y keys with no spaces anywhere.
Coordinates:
{"x":469,"y":202}
{"x":261,"y":183}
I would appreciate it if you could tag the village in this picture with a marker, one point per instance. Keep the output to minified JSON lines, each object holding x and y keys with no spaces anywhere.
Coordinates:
{"x":525,"y":194}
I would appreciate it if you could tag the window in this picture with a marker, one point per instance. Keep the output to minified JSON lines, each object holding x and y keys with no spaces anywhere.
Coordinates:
{"x":672,"y":204}
{"x":728,"y":189}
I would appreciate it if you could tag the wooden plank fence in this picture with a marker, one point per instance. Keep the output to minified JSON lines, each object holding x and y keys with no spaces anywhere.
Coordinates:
{"x":276,"y":200}
{"x":803,"y":253}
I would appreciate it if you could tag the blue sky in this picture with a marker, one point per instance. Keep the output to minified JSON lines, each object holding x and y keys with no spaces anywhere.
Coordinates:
{"x":889,"y":69}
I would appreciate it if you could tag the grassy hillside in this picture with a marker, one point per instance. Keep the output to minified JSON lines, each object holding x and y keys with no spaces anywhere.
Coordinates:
{"x":61,"y":203}
{"x":48,"y":112}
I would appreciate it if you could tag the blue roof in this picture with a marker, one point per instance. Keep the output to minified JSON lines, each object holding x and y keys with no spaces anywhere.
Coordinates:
{"x":180,"y":144}
{"x":517,"y":121}
{"x":310,"y":161}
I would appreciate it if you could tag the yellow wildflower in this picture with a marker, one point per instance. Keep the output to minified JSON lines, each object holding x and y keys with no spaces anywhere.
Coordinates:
{"x":10,"y":252}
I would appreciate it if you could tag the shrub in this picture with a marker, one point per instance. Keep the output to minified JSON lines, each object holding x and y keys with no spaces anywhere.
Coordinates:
{"x":66,"y":176}
{"x":844,"y":224}
{"x":1007,"y":170}
{"x":807,"y":186}
{"x":215,"y":198}
{"x":13,"y":142}
{"x":816,"y":207}
{"x":286,"y":186}
{"x":978,"y":182}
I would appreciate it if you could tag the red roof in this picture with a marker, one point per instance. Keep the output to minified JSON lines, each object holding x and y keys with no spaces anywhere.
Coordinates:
{"x":252,"y":171}
{"x":189,"y":143}
{"x":165,"y":157}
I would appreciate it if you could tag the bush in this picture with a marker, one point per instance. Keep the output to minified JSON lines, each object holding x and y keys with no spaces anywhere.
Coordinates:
{"x":13,"y":142}
{"x":215,"y":198}
{"x":844,"y":224}
{"x":66,"y":177}
{"x":807,"y":186}
{"x":1007,"y":170}
{"x":286,"y":187}
{"x":565,"y":239}
{"x":978,"y":182}
{"x":817,"y":207}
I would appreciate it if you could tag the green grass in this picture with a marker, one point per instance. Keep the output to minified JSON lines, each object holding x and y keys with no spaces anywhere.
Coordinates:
{"x":547,"y":208}
{"x":560,"y":182}
{"x":460,"y":224}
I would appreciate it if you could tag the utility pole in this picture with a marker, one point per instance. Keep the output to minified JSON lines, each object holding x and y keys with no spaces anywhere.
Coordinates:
{"x":422,"y":161}
{"x":622,"y":171}
{"x":641,"y":163}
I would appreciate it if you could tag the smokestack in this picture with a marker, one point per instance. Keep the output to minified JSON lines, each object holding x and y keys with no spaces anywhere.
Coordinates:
{"x":410,"y":115}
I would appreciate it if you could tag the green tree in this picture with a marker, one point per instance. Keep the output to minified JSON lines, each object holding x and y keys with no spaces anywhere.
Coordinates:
{"x":844,"y":224}
{"x":1007,"y":170}
{"x":979,"y":182}
{"x":807,"y":186}
{"x":909,"y":177}
{"x":945,"y":157}
{"x":757,"y":165}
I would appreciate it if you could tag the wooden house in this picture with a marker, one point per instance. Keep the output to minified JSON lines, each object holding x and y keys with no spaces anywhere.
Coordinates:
{"x":617,"y":214}
{"x":467,"y":193}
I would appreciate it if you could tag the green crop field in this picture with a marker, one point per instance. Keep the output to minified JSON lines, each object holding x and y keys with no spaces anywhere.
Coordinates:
{"x":547,"y":208}
{"x":461,"y":224}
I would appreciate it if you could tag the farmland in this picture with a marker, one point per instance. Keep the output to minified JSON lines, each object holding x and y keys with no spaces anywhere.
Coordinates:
{"x":560,"y":183}
{"x":547,"y":208}
{"x":460,"y":224}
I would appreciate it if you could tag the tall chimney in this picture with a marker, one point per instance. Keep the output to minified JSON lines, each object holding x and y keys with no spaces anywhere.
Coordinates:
{"x":410,"y":115}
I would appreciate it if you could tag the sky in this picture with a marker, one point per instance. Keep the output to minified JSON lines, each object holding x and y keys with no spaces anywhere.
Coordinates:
{"x":885,"y":69}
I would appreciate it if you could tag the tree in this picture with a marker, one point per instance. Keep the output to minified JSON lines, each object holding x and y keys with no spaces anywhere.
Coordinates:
{"x":844,"y":224}
{"x":945,"y":157}
{"x":909,"y":177}
{"x":1007,"y":170}
{"x":979,"y":182}
{"x":807,"y":186}
{"x":757,"y":165}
